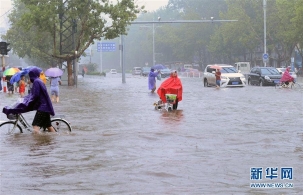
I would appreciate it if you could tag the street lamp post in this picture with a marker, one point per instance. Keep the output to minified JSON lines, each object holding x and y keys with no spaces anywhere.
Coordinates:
{"x":153,"y":44}
{"x":153,"y":31}
{"x":264,"y":8}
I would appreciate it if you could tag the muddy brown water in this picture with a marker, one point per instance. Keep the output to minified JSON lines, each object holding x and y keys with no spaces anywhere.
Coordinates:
{"x":121,"y":145}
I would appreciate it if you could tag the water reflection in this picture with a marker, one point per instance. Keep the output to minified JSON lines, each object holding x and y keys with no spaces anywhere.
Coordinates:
{"x":41,"y":142}
{"x":175,"y":115}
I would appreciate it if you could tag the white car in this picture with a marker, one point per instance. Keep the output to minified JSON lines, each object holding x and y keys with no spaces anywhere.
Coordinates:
{"x":230,"y":77}
{"x":113,"y":71}
{"x":282,"y":70}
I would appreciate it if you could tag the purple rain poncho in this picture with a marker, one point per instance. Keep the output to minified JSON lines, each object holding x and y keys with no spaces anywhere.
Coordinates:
{"x":38,"y":99}
{"x":152,"y":79}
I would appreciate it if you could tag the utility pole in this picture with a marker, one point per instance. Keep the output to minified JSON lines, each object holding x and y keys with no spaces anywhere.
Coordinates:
{"x":265,"y":56}
{"x":154,"y":44}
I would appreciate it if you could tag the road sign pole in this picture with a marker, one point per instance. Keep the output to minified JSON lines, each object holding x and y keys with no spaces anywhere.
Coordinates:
{"x":101,"y":61}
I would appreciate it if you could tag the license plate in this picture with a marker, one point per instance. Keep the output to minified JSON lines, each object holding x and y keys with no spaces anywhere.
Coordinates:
{"x":276,"y":81}
{"x":235,"y":83}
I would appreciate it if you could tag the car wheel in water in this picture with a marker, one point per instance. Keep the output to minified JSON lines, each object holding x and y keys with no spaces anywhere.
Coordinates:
{"x":205,"y":83}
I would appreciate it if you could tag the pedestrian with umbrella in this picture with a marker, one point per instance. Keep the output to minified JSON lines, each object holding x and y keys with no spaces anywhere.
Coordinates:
{"x":217,"y":74}
{"x":55,"y":81}
{"x":15,"y":80}
{"x":8,"y":73}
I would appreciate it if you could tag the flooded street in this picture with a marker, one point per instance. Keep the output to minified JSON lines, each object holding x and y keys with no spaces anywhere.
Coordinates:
{"x":121,"y":145}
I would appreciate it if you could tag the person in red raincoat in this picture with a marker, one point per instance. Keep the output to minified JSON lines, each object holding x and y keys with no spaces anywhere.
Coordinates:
{"x":171,"y":85}
{"x":286,"y":77}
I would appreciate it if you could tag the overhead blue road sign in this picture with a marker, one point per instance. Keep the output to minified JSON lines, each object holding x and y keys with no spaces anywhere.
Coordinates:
{"x":106,"y":47}
{"x":98,"y":46}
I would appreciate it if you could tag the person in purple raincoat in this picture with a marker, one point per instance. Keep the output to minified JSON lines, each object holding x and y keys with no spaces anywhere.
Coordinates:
{"x":152,"y":80}
{"x":39,"y":100}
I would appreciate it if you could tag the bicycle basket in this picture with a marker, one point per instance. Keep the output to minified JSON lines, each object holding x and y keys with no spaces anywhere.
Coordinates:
{"x":171,"y":97}
{"x":12,"y":116}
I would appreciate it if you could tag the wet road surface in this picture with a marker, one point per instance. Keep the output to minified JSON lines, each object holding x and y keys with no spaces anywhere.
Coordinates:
{"x":121,"y":145}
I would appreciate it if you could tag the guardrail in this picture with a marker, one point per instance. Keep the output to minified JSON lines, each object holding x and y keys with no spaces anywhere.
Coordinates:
{"x":191,"y":74}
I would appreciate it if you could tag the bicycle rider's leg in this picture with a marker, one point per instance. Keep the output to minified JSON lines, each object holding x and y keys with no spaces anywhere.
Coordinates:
{"x":51,"y":129}
{"x":42,"y":119}
{"x":36,"y":129}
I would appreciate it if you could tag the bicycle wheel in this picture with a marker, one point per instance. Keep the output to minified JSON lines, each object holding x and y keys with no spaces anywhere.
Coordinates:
{"x":295,"y":86}
{"x":61,"y":125}
{"x":9,"y":127}
{"x":278,"y":86}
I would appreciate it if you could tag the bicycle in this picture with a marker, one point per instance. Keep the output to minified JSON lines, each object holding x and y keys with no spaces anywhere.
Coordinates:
{"x":289,"y":85}
{"x":17,"y":123}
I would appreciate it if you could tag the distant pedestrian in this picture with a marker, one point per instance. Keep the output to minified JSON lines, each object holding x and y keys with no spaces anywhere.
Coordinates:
{"x":55,"y":82}
{"x":22,"y":85}
{"x":218,"y":78}
{"x":16,"y":87}
{"x":30,"y":86}
{"x":83,"y":72}
{"x":43,"y":77}
{"x":10,"y":87}
{"x":152,"y":80}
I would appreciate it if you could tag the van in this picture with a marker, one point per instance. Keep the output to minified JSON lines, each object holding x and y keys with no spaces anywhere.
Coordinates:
{"x":243,"y":67}
{"x":136,"y":71}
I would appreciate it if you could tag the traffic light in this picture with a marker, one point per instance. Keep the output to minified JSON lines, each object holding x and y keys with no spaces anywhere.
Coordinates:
{"x":3,"y":48}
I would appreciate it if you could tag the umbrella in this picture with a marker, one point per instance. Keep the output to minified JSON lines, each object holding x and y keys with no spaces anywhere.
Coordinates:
{"x":10,"y":71}
{"x":215,"y":67}
{"x":158,"y":67}
{"x":30,"y":67}
{"x":16,"y":77}
{"x":53,"y":72}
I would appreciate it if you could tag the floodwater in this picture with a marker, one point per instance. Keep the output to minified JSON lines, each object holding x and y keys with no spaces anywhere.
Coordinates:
{"x":121,"y":145}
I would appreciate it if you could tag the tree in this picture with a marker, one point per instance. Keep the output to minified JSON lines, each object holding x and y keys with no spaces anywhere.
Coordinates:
{"x":36,"y":30}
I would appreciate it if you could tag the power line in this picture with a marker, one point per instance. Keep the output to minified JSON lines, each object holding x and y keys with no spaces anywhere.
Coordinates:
{"x":6,"y":12}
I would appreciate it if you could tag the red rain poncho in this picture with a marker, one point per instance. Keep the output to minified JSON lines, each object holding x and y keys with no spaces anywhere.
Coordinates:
{"x":171,"y":85}
{"x":286,"y":76}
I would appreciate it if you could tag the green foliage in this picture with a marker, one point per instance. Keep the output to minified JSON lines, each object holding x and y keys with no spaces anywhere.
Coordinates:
{"x":91,"y":67}
{"x":35,"y":25}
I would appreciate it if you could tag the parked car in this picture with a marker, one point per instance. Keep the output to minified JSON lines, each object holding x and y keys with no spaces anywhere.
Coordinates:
{"x":165,"y":72}
{"x":230,"y":77}
{"x":136,"y":71}
{"x":264,"y":76}
{"x":113,"y":71}
{"x":145,"y":71}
